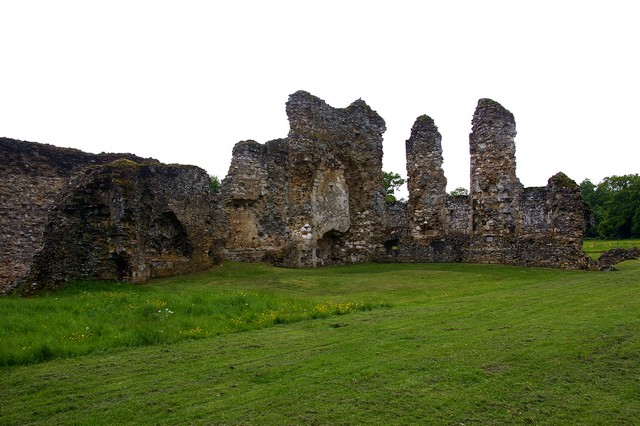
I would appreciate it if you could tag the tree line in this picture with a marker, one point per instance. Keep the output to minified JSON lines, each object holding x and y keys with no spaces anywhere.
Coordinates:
{"x":615,"y":203}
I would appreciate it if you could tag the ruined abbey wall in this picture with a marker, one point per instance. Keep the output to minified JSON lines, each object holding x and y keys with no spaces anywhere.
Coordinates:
{"x":255,"y":202}
{"x":329,"y":194}
{"x":500,"y":221}
{"x":313,"y":198}
{"x":310,"y":199}
{"x":32,"y":175}
{"x":67,"y":215}
{"x":127,"y":221}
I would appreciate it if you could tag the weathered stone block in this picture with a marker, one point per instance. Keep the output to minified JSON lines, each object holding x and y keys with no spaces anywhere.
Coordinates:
{"x":127,"y":221}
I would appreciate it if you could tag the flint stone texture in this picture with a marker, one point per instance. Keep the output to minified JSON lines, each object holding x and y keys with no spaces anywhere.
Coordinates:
{"x":311,"y":199}
{"x":426,"y":181}
{"x":495,"y":188}
{"x":127,"y":221}
{"x":31,"y":176}
{"x":500,"y":221}
{"x":615,"y":256}
{"x":254,"y":203}
{"x":324,"y":185}
{"x":314,"y":198}
{"x":515,"y":225}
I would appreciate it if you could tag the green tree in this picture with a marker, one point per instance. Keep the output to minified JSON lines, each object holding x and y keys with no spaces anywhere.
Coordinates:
{"x":621,"y":209}
{"x":459,"y":191}
{"x":214,"y":184}
{"x":595,"y":198}
{"x":392,"y":182}
{"x":615,"y":203}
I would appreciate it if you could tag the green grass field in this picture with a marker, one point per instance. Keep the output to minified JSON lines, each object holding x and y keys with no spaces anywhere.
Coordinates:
{"x":362,"y":344}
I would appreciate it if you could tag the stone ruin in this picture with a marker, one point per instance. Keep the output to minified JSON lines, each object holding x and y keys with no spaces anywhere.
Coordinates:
{"x":311,"y":199}
{"x":316,"y":197}
{"x":616,"y":255}
{"x":71,"y":215}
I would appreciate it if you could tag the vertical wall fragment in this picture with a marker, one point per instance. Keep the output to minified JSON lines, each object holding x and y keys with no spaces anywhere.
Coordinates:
{"x":435,"y":230}
{"x":255,"y":202}
{"x":495,"y":189}
{"x":426,"y":181}
{"x":335,"y":181}
{"x":324,"y":201}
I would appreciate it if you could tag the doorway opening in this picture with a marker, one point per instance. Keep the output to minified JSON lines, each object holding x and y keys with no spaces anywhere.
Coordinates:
{"x":327,"y":251}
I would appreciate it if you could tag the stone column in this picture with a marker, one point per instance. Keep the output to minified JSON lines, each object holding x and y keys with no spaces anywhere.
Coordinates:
{"x":426,"y":181}
{"x":495,"y":188}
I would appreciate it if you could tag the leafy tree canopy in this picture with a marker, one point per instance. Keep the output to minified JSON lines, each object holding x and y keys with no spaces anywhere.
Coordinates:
{"x":214,"y":183}
{"x":615,"y":203}
{"x":392,"y":181}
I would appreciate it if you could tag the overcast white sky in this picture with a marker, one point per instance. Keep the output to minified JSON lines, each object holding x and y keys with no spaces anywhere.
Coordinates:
{"x":183,"y":81}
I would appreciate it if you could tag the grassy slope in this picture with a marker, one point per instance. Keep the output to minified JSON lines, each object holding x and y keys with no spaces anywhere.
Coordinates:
{"x":458,"y":344}
{"x":88,"y":317}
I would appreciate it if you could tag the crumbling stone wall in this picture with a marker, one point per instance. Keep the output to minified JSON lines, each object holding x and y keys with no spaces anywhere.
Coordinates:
{"x":325,"y":202}
{"x":551,"y":231}
{"x":616,"y":255}
{"x":437,"y":222}
{"x":426,"y":181}
{"x":457,"y":215}
{"x":31,"y":176}
{"x":495,"y":189}
{"x":512,"y":224}
{"x":127,"y":221}
{"x":335,"y":181}
{"x":396,"y":228}
{"x":255,"y":202}
{"x":314,"y":198}
{"x":500,"y":221}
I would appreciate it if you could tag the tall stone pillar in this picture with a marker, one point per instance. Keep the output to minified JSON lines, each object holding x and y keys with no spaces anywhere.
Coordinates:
{"x":426,"y":181}
{"x":495,"y":188}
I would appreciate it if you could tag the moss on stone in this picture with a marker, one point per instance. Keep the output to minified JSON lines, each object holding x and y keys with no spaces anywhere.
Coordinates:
{"x":560,"y":180}
{"x":124,"y":162}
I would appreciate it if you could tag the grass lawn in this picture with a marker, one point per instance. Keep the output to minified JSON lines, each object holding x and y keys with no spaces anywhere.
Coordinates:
{"x":362,"y":344}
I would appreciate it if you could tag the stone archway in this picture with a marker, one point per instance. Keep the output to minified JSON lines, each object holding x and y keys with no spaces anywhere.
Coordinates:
{"x":122,"y":261}
{"x":327,"y":251}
